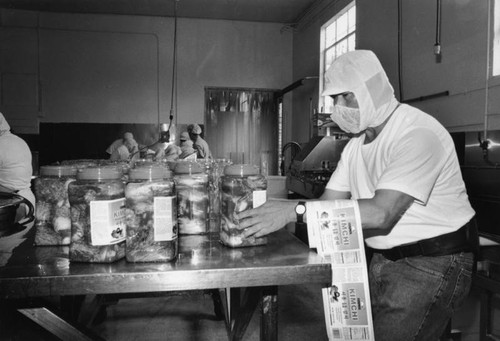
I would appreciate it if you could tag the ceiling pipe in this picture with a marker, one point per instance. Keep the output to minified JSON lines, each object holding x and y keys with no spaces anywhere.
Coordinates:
{"x":295,"y":85}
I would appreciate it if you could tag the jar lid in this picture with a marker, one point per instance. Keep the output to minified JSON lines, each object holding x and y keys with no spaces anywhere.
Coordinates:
{"x":241,"y":170}
{"x":75,"y":161}
{"x":59,"y":171}
{"x":80,"y":163}
{"x":149,"y":173}
{"x":187,"y":167}
{"x":99,"y":173}
{"x":145,"y":163}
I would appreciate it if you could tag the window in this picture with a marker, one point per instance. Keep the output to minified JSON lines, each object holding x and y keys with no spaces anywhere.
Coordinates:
{"x":338,"y":36}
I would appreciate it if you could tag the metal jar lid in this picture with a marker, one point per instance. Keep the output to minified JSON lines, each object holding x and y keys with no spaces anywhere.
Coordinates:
{"x":99,"y":173}
{"x":241,"y":170}
{"x":187,"y":167}
{"x":58,"y":171}
{"x":149,"y":173}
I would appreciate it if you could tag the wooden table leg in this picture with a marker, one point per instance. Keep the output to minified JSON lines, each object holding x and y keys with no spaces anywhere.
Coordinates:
{"x":269,"y":317}
{"x":56,"y":325}
{"x":243,"y":302}
{"x":242,"y":310}
{"x":71,"y":306}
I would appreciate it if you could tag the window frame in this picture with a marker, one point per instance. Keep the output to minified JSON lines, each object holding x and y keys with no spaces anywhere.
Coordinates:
{"x":324,"y":49}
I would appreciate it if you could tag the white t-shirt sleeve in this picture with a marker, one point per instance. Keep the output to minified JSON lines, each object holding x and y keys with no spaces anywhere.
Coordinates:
{"x":414,"y":164}
{"x":339,"y":181}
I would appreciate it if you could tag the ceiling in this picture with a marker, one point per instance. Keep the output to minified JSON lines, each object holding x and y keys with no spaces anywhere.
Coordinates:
{"x":276,"y":11}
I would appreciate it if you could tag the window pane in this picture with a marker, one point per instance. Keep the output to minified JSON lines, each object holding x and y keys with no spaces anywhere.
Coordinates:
{"x":330,"y":35}
{"x":342,"y":27}
{"x":328,"y":104}
{"x":341,"y":47}
{"x":351,"y":42}
{"x":329,"y":57}
{"x":352,"y":19}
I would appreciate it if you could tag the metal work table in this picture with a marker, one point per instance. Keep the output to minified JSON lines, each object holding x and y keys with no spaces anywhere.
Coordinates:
{"x":251,"y":274}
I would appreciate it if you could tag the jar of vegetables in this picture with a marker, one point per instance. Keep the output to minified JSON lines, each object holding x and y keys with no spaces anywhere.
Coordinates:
{"x":192,"y":198}
{"x":52,"y":214}
{"x":97,"y":200}
{"x":214,"y":168}
{"x":242,"y":187}
{"x":151,"y":215}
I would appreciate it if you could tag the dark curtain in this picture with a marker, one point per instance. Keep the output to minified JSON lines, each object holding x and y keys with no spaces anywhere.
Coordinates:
{"x":243,"y":121}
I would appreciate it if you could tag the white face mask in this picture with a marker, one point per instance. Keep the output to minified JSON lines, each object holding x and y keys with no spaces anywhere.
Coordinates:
{"x":348,"y":119}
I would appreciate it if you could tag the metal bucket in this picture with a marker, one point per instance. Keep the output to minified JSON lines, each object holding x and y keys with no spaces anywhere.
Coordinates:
{"x":9,"y":203}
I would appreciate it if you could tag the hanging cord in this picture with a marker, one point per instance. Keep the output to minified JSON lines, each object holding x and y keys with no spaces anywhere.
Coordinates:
{"x":173,"y":95}
{"x":485,"y":143}
{"x":437,"y":45}
{"x":400,"y":50}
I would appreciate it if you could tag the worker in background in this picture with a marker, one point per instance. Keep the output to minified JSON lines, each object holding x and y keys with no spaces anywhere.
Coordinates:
{"x":401,"y":167}
{"x":172,"y":152}
{"x":127,"y":151}
{"x":201,"y":146}
{"x":15,"y":166}
{"x":187,"y":150}
{"x":128,"y":138}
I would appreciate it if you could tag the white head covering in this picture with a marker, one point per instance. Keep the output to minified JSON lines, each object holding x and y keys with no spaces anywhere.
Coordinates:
{"x":361,"y":73}
{"x":4,"y":126}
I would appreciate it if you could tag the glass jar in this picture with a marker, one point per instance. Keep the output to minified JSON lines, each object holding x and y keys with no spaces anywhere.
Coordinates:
{"x":151,"y":215}
{"x":121,"y":165}
{"x":242,"y":188}
{"x":215,"y":171}
{"x":97,"y":200}
{"x":52,"y":213}
{"x":192,"y":198}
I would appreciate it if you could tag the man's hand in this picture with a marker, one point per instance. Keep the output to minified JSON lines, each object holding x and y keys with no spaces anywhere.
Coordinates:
{"x":271,"y":216}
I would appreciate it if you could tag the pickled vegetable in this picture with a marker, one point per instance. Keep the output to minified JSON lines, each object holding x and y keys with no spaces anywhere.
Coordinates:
{"x":97,"y":216}
{"x":52,"y":213}
{"x":239,"y":192}
{"x":192,"y":198}
{"x":151,"y":219}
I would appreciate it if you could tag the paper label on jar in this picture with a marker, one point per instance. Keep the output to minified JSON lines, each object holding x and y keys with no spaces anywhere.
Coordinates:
{"x":259,"y":198}
{"x":165,"y":219}
{"x":107,"y":222}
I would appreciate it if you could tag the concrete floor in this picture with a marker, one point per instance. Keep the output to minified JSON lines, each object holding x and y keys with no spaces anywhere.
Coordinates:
{"x":189,"y":316}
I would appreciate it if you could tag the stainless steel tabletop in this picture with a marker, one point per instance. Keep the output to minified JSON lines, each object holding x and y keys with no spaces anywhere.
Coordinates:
{"x":203,"y":263}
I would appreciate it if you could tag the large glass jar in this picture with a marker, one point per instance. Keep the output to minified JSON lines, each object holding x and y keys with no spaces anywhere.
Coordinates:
{"x":52,"y":214}
{"x":242,"y":188}
{"x":97,"y":200}
{"x":151,"y":215}
{"x":192,"y":198}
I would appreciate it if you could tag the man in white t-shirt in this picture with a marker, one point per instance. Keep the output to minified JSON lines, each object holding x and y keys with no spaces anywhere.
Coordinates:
{"x":401,"y":167}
